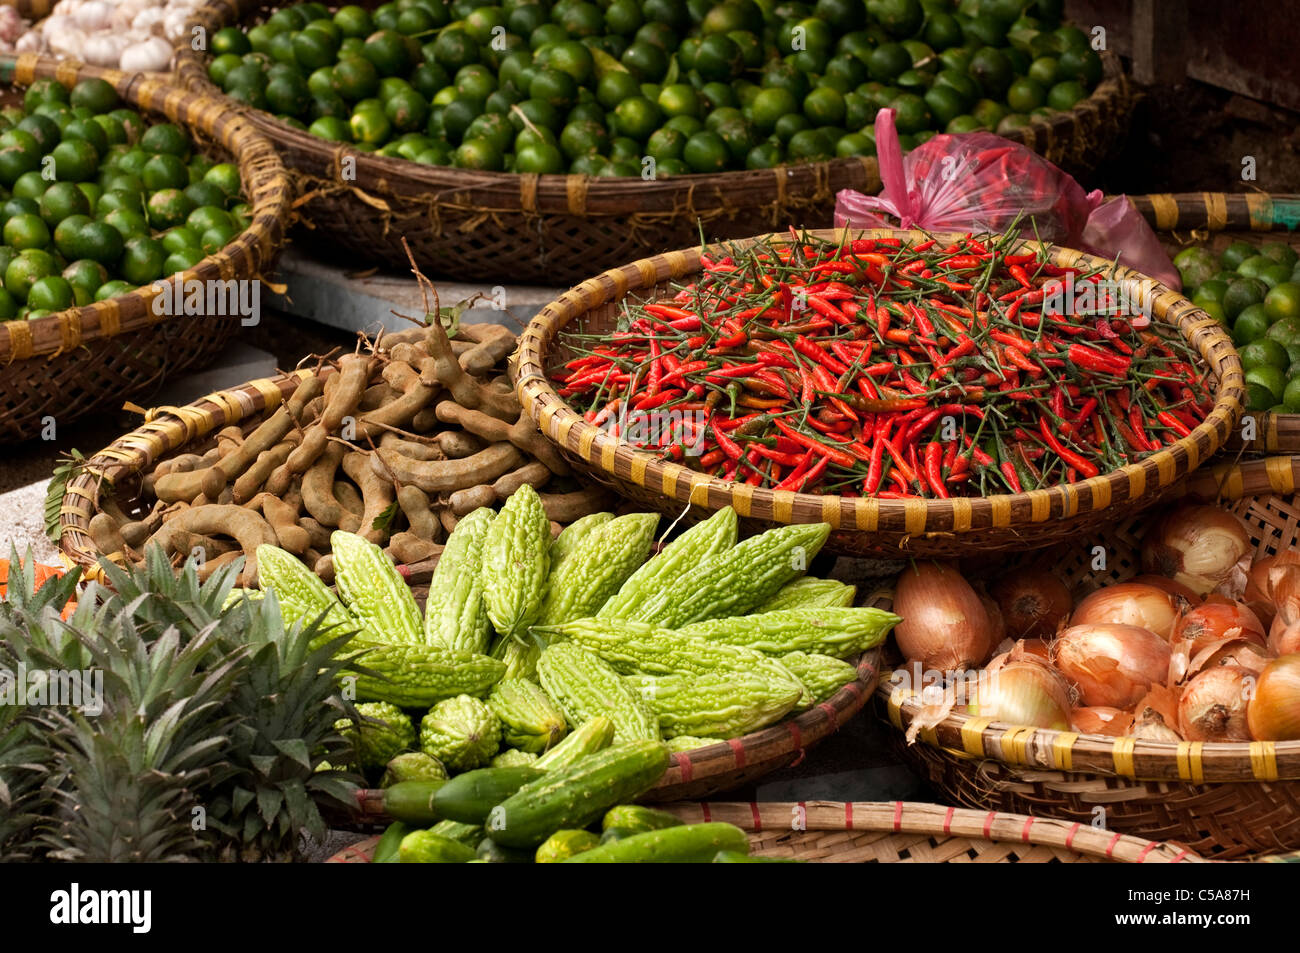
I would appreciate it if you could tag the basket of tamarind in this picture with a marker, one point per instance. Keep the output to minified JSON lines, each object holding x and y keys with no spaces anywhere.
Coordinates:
{"x":395,"y":441}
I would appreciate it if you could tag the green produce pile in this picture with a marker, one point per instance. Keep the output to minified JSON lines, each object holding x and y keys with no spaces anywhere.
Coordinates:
{"x":533,"y":652}
{"x":1255,"y":291}
{"x":700,"y":86}
{"x":96,"y":202}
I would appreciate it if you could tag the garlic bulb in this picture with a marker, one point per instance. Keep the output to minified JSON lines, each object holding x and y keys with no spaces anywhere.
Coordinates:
{"x":154,"y":54}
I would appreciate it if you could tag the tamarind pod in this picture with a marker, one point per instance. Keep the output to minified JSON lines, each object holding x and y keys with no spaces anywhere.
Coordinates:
{"x":282,"y":514}
{"x":409,"y":548}
{"x":391,"y":339}
{"x":318,"y":491}
{"x":353,"y":376}
{"x":318,"y":536}
{"x":556,"y":530}
{"x":398,"y":374}
{"x":482,"y":331}
{"x":502,"y":383}
{"x":303,"y":396}
{"x":456,"y":444}
{"x":251,"y":480}
{"x":107,"y":535}
{"x":186,"y":486}
{"x":412,"y":448}
{"x":324,"y":567}
{"x":186,"y":462}
{"x":209,"y":566}
{"x":535,"y":474}
{"x":397,"y":413}
{"x":459,"y":347}
{"x":307,"y":452}
{"x":523,"y":433}
{"x":107,"y":504}
{"x":312,"y":556}
{"x":425,"y":421}
{"x":315,"y":407}
{"x":567,"y":507}
{"x":280,"y":480}
{"x":443,"y":476}
{"x":226,"y":496}
{"x":419,"y":516}
{"x":190,"y":544}
{"x":377,"y":495}
{"x":349,"y":496}
{"x":377,"y":395}
{"x":211,"y":457}
{"x":464,"y":502}
{"x":448,"y":519}
{"x":149,"y":484}
{"x":229,"y":439}
{"x":487,"y":353}
{"x":408,"y":352}
{"x":247,"y":528}
{"x":443,"y":366}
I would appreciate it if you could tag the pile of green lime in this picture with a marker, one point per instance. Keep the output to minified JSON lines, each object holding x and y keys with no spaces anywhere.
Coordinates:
{"x":1255,"y":291}
{"x":96,"y":202}
{"x":698,"y":85}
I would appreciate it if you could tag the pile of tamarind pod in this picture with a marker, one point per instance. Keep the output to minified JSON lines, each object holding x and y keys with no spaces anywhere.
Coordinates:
{"x":395,"y":442}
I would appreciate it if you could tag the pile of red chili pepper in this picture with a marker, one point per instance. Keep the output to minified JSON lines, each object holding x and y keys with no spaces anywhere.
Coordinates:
{"x":889,"y":368}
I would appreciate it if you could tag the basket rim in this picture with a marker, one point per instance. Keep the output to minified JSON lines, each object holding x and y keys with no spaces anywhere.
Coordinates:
{"x":1255,"y":211}
{"x":264,"y":178}
{"x":571,"y":432}
{"x":976,"y":738}
{"x":556,"y":191}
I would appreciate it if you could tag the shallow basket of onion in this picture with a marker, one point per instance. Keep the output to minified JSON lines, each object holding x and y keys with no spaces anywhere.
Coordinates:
{"x":1216,"y":578}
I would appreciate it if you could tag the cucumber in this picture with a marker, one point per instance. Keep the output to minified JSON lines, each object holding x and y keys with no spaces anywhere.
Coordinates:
{"x":467,"y":834}
{"x":495,"y":853}
{"x":389,"y":842}
{"x":688,"y":844}
{"x":470,"y":797}
{"x":736,"y":857}
{"x":426,"y":847}
{"x":575,"y":796}
{"x":639,"y":819}
{"x":562,"y":845}
{"x":412,"y":802}
{"x":617,"y":833}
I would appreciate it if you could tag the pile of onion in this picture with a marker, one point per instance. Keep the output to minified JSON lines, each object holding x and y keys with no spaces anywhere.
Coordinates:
{"x":1203,"y":646}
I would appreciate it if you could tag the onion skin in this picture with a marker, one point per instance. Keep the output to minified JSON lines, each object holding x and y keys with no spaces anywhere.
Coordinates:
{"x":1019,"y":689}
{"x":1112,"y":665}
{"x":945,"y":626}
{"x":1205,"y":548}
{"x":1034,"y":603}
{"x":1284,"y":639}
{"x":997,"y":622}
{"x":1130,"y":604}
{"x":1253,"y":658}
{"x":1213,"y":706}
{"x":1150,"y":725}
{"x":1209,"y":627}
{"x":1168,"y":585}
{"x":1259,"y":589}
{"x":1274,"y":713}
{"x":1100,"y":720}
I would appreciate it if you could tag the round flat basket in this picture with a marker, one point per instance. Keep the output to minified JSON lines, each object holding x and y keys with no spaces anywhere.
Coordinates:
{"x":1224,"y":801}
{"x":901,"y":832}
{"x":866,"y":526}
{"x":558,"y":229}
{"x":72,"y":363}
{"x":1216,"y":220}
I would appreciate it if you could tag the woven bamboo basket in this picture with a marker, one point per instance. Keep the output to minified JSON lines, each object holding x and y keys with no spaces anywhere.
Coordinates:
{"x":114,"y":473}
{"x":76,"y":361}
{"x":901,"y":832}
{"x":1216,"y":220}
{"x":1224,"y":801}
{"x":865,"y":526}
{"x":558,"y":229}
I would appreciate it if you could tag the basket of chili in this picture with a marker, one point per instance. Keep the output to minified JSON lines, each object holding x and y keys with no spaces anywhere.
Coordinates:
{"x":1223,"y":800}
{"x":954,"y":416}
{"x":1216,"y":220}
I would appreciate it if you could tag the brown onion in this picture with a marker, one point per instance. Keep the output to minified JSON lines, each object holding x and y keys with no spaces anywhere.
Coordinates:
{"x":1203,"y":547}
{"x":1020,"y":689}
{"x":1248,"y":655}
{"x":1274,"y":713}
{"x":1210,"y":626}
{"x":1284,"y":638}
{"x":1037,"y":647}
{"x":1129,"y":603}
{"x":997,"y":622}
{"x":1150,"y":725}
{"x":945,"y":626}
{"x":1259,"y":589}
{"x":1213,"y":706}
{"x":1100,"y":720}
{"x":1034,"y":603}
{"x":1165,"y":584}
{"x":1112,"y":665}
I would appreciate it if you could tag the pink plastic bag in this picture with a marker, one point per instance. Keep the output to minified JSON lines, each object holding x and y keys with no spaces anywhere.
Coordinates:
{"x":979,"y":182}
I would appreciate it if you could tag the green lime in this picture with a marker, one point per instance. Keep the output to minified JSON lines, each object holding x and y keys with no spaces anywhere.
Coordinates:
{"x":989,"y":113}
{"x":218,"y":237}
{"x":388,"y":52}
{"x":1241,"y":294}
{"x":356,"y":78}
{"x":887,"y":61}
{"x":1232,"y":256}
{"x":166,"y":139}
{"x":75,"y":160}
{"x":541,"y":158}
{"x":1045,"y":71}
{"x":638,"y":117}
{"x":331,"y":128}
{"x":900,"y":18}
{"x":1265,"y":378}
{"x":666,"y":143}
{"x":203,"y":193}
{"x":686,"y":125}
{"x":583,"y":137}
{"x":1212,"y":290}
{"x":789,"y":125}
{"x":573,"y":58}
{"x":86,"y":277}
{"x":1275,"y":274}
{"x":1081,"y":64}
{"x":31,"y":185}
{"x":1025,"y":95}
{"x":944,"y":104}
{"x":616,"y":86}
{"x":824,"y":107}
{"x":26,"y":231}
{"x":142,"y":260}
{"x":62,"y":199}
{"x":1283,"y":301}
{"x":481,"y":154}
{"x":26,"y":269}
{"x":370,"y":126}
{"x":8,"y":306}
{"x":719,"y":95}
{"x":51,"y":293}
{"x":1291,"y":395}
{"x":1250,"y":324}
{"x":855,"y":144}
{"x":1281,"y":253}
{"x":649,"y":63}
{"x":680,"y":99}
{"x":1214,"y":310}
{"x":913,"y":114}
{"x":1064,"y":96}
{"x":168,"y":207}
{"x":991,"y":69}
{"x":1253,"y":266}
{"x":554,"y":87}
{"x":1195,"y":265}
{"x":407,"y":111}
{"x":44,"y":91}
{"x":495,"y":128}
{"x":181,"y":236}
{"x":706,"y":152}
{"x":809,"y":145}
{"x":1264,"y":351}
{"x":1285,"y":332}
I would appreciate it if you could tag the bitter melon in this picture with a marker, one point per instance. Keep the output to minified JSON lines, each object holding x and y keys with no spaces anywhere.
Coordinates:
{"x":690,"y":743}
{"x":584,"y":686}
{"x":460,"y":732}
{"x":384,"y":732}
{"x":514,"y":758}
{"x":516,"y":562}
{"x":572,"y":535}
{"x":822,"y":675}
{"x":810,"y":593}
{"x":303,"y":596}
{"x":373,"y":590}
{"x":732,"y":583}
{"x":682,"y":556}
{"x":597,"y":567}
{"x":718,"y":706}
{"x":588,"y":738}
{"x":454,"y":616}
{"x":839,"y":633}
{"x":413,"y":766}
{"x":531,"y":721}
{"x":414,"y":675}
{"x":562,"y":845}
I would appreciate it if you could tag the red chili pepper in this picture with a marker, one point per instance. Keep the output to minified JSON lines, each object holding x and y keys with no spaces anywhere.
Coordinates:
{"x":814,"y":353}
{"x":933,"y":455}
{"x":1083,"y":465}
{"x":668,"y":312}
{"x":679,"y":372}
{"x":836,"y":456}
{"x":1169,"y":420}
